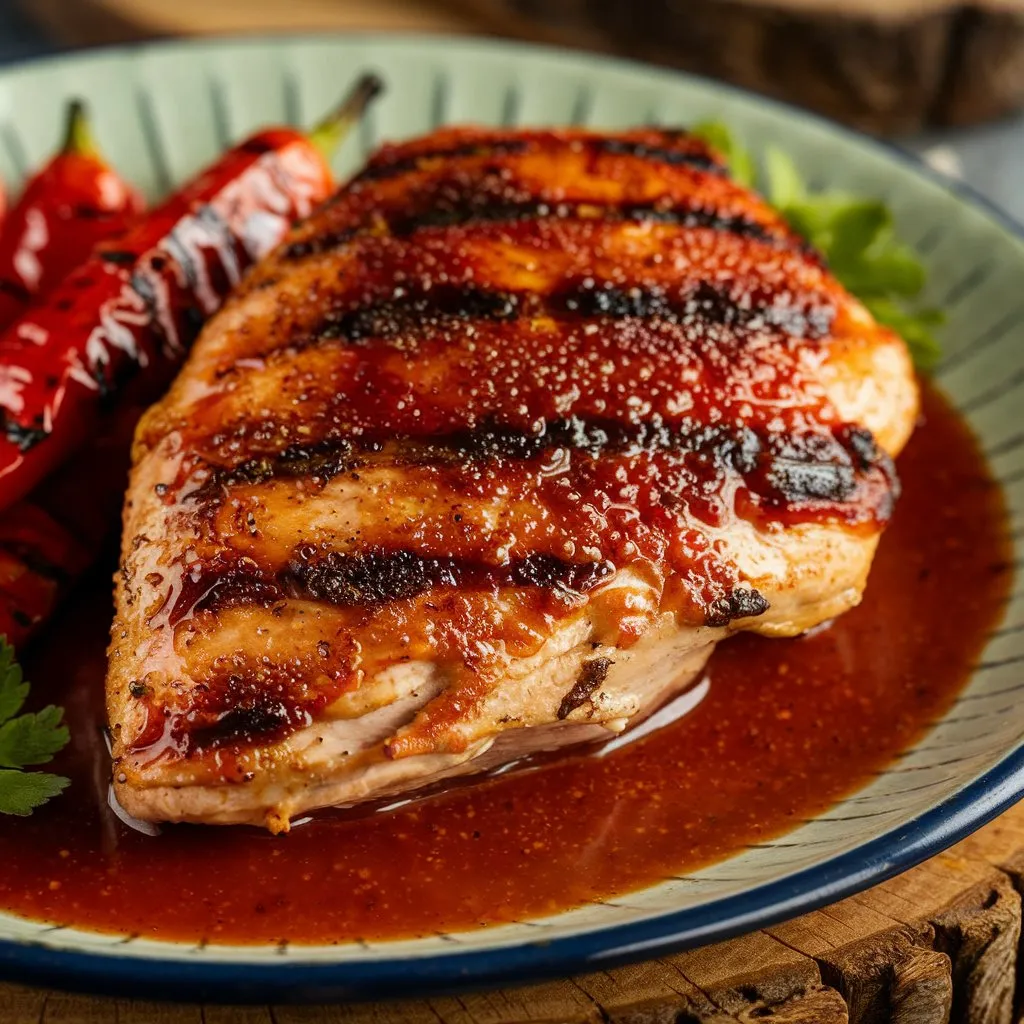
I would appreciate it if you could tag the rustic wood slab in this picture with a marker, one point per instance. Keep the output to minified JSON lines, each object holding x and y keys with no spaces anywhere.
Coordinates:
{"x":884,"y":65}
{"x":940,"y":944}
{"x":91,"y":22}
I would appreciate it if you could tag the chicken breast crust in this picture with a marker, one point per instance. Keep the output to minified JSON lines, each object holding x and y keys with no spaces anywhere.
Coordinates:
{"x":486,"y":459}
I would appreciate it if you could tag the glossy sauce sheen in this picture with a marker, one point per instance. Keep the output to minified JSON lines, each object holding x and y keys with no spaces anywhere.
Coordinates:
{"x":571,"y":360}
{"x":789,"y":727}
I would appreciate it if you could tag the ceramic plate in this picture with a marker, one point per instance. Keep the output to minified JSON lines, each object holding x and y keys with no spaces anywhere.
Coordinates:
{"x":162,"y":111}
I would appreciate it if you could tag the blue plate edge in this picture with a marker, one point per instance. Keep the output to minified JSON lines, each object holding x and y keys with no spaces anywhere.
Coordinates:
{"x":875,"y":861}
{"x":225,"y":982}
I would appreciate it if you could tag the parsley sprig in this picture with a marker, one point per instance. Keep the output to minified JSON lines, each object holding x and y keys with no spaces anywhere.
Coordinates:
{"x":26,"y":740}
{"x":855,"y":235}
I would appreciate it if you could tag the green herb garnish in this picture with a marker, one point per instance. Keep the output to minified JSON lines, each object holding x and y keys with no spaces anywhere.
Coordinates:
{"x":855,"y":235}
{"x":25,"y":740}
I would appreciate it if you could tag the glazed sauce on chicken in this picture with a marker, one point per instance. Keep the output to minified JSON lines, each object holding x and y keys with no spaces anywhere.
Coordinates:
{"x":478,"y":401}
{"x":787,"y":728}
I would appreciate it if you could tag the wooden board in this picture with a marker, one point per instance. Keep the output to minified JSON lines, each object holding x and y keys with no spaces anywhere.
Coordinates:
{"x":938,"y":944}
{"x":885,"y":65}
{"x":91,"y":22}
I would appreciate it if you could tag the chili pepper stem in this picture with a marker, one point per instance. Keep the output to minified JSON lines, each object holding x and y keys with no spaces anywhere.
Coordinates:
{"x":329,"y":132}
{"x":78,"y":134}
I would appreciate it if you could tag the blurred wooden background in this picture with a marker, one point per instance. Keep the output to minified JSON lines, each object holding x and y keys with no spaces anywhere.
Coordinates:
{"x":891,"y":66}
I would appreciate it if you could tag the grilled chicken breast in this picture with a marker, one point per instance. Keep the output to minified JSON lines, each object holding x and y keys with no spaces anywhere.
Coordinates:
{"x":486,"y":459}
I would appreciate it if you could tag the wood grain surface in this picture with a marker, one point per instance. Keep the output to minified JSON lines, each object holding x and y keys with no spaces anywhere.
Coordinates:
{"x":884,"y":65}
{"x":889,"y":66}
{"x":940,"y":943}
{"x":88,"y":22}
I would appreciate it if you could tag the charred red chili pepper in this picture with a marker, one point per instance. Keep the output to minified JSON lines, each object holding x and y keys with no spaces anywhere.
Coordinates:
{"x":137,"y":303}
{"x":75,"y":201}
{"x":129,"y":315}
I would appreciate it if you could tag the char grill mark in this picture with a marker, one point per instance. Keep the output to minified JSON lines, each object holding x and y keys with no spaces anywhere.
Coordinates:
{"x":701,"y":159}
{"x":741,"y":603}
{"x":379,"y":170}
{"x":263,"y":718}
{"x":388,"y":319}
{"x":805,"y":468}
{"x":376,"y":577}
{"x":318,"y":462}
{"x":409,"y":311}
{"x":705,"y":303}
{"x":592,"y":675}
{"x":468,"y":213}
{"x":485,"y":209}
{"x":574,"y":300}
{"x":236,"y":706}
{"x":698,"y":156}
{"x":783,"y":469}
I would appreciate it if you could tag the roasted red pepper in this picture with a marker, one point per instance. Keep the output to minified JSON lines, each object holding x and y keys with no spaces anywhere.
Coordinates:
{"x":137,"y":303}
{"x":75,"y":201}
{"x":119,"y":326}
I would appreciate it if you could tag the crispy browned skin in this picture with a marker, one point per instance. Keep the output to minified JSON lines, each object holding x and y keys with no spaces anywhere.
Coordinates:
{"x":509,"y":434}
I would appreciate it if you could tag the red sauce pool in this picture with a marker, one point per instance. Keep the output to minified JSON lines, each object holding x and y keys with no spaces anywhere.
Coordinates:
{"x":788,"y":728}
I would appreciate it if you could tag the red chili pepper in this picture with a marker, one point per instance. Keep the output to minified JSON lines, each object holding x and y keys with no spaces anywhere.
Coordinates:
{"x":75,"y":201}
{"x":128,"y":315}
